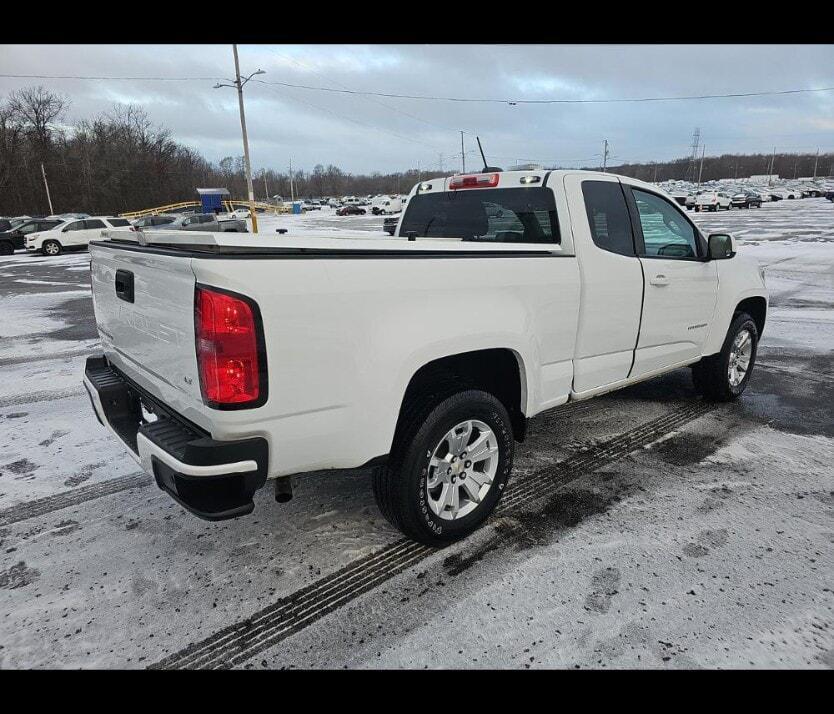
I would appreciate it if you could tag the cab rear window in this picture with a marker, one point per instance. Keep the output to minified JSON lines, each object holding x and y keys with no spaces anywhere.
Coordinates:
{"x":506,"y":215}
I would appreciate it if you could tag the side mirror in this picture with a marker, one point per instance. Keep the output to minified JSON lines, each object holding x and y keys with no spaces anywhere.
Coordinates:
{"x":721,"y":246}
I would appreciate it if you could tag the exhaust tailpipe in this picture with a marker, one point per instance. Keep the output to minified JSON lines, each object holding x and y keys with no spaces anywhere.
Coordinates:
{"x":283,"y":489}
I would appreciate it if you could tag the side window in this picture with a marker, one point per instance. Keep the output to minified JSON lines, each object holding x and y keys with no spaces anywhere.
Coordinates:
{"x":608,"y":216}
{"x":666,"y":233}
{"x":118,"y":222}
{"x":76,"y":226}
{"x":95,"y":223}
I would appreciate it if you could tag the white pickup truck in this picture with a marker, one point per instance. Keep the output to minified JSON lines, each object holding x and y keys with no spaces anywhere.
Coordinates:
{"x":230,"y":361}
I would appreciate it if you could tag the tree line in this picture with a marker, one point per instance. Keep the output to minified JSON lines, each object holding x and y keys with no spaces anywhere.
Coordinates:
{"x":120,"y":161}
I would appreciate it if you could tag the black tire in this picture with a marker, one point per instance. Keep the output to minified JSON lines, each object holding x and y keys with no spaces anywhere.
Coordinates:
{"x":710,"y":375}
{"x":6,"y":248}
{"x":400,"y":485}
{"x":51,"y":248}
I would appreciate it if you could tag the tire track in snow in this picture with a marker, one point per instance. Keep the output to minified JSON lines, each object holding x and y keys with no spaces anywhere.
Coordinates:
{"x":240,"y":641}
{"x":48,"y":395}
{"x":65,"y":499}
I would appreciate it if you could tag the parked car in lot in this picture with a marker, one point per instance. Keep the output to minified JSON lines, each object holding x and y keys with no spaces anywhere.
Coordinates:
{"x":15,"y":239}
{"x":209,"y":222}
{"x":687,"y":200}
{"x":10,"y":223}
{"x":389,"y":224}
{"x":421,"y":358}
{"x":73,"y":234}
{"x":350,"y":209}
{"x":712,"y":201}
{"x":386,"y":206}
{"x":747,"y":200}
{"x":152,"y":223}
{"x":829,"y":195}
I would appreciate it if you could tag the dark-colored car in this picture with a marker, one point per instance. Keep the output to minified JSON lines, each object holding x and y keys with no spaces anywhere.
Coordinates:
{"x":830,"y":195}
{"x":351,"y":210}
{"x":149,"y":223}
{"x":389,"y":224}
{"x":15,"y":239}
{"x":748,"y":199}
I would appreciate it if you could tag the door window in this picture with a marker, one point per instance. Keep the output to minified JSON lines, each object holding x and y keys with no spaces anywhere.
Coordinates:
{"x":95,"y":223}
{"x":666,"y":232}
{"x":76,"y":226}
{"x":608,"y":216}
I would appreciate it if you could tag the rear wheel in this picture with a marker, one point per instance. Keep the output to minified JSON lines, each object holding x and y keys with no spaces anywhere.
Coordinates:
{"x":51,"y":247}
{"x":724,"y":376}
{"x":448,"y":467}
{"x":6,"y":248}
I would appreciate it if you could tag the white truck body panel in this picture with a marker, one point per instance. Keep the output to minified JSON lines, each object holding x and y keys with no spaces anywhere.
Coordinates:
{"x":346,"y":329}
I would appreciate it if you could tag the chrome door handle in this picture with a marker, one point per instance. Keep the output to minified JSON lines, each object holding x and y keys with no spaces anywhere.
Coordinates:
{"x":659,"y":280}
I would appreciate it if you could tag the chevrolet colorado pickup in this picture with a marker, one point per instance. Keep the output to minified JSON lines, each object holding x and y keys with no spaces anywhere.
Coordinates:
{"x":228,"y":362}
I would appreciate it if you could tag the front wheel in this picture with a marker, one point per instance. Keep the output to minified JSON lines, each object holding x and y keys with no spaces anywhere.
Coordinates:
{"x":6,"y":248}
{"x":51,"y":247}
{"x":448,"y":468}
{"x":724,"y":376}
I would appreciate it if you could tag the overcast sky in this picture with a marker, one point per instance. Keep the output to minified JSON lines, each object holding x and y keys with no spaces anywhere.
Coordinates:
{"x":363,"y":134}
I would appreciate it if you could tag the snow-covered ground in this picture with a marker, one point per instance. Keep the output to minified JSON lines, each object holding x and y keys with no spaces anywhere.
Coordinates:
{"x":642,"y":529}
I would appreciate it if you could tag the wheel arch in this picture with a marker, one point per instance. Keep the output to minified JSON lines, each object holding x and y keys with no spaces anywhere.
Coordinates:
{"x":499,"y":371}
{"x":756,"y":307}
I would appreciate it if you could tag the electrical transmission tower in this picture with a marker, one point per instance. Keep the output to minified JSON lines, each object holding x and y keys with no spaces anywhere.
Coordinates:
{"x":693,"y":159}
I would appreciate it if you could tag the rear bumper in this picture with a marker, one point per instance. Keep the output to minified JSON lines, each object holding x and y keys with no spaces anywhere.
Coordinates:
{"x":215,"y":480}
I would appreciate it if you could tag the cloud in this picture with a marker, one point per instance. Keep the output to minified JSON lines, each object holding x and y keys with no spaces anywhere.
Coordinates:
{"x":362,"y":134}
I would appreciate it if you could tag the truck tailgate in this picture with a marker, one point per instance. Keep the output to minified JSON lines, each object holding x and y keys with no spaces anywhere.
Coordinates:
{"x":144,"y":307}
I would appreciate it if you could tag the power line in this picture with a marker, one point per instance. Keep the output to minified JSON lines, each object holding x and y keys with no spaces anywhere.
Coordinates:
{"x":391,"y":95}
{"x":307,"y":67}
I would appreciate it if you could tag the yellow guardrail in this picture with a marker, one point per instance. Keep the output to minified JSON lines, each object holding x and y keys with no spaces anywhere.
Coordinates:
{"x":228,"y":205}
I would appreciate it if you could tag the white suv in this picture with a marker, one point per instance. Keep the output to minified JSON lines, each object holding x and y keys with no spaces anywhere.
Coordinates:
{"x":72,"y":234}
{"x":713,"y":201}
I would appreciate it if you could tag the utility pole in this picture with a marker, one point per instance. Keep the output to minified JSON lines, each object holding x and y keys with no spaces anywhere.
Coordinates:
{"x":292,"y":191}
{"x":770,"y":171}
{"x":238,"y":84}
{"x":266,"y":189}
{"x":701,"y":169}
{"x":605,"y":155}
{"x":654,"y":180}
{"x":815,"y":163}
{"x":46,"y":184}
{"x":441,"y":161}
{"x":419,"y":173}
{"x":463,"y":156}
{"x":796,"y":161}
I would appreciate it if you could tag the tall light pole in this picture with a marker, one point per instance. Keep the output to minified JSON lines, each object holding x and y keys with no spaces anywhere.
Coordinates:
{"x":238,"y":84}
{"x":46,"y":183}
{"x":701,"y":168}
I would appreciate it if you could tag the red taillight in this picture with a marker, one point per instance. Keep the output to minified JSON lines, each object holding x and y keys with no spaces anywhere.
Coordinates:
{"x":473,"y":181}
{"x":227,"y":348}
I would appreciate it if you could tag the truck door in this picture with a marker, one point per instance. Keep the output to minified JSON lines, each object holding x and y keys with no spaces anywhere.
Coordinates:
{"x":611,"y":282}
{"x":681,"y":288}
